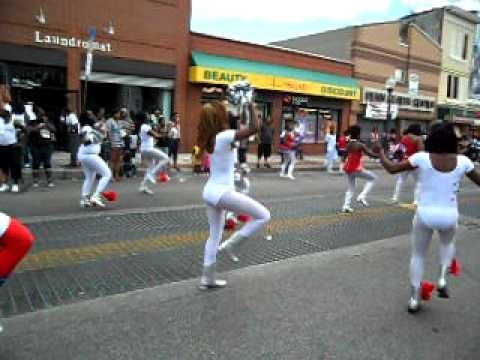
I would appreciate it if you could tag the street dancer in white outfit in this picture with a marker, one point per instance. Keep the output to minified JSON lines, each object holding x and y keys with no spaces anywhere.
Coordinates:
{"x":155,"y":158}
{"x":216,"y":137}
{"x":440,"y":171}
{"x":92,"y":164}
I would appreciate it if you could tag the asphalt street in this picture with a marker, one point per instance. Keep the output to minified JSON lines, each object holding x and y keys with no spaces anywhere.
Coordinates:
{"x":134,"y":268}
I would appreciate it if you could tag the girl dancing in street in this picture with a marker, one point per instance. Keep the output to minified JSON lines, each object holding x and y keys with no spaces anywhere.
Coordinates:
{"x":155,"y":158}
{"x":92,"y":164}
{"x":353,"y":169}
{"x":215,"y":135}
{"x":440,"y":171}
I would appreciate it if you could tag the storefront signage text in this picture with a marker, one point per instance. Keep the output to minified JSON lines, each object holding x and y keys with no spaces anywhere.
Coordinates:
{"x":72,"y":42}
{"x":268,"y":82}
{"x":404,"y":101}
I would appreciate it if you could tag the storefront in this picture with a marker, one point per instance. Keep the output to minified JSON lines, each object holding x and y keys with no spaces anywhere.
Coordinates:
{"x":405,"y":110}
{"x":315,"y":100}
{"x":466,"y":119}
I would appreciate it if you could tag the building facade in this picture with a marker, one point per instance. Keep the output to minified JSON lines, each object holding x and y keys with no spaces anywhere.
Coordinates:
{"x":455,"y":30}
{"x":315,"y":91}
{"x":140,"y":56}
{"x":380,"y":52}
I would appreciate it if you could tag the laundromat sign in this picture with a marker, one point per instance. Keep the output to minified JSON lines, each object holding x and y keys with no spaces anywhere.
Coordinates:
{"x":201,"y":74}
{"x":70,"y":41}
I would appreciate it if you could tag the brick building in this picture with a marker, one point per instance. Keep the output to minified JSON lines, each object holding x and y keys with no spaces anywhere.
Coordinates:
{"x":381,"y":51}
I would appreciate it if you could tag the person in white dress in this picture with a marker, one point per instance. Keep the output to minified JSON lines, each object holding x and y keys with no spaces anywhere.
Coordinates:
{"x":440,"y":170}
{"x":216,"y":137}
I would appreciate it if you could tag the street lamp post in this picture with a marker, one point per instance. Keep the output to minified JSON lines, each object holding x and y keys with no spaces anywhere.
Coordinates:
{"x":389,"y":85}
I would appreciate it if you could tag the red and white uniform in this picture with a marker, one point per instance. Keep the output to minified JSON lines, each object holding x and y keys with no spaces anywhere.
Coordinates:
{"x":410,"y":148}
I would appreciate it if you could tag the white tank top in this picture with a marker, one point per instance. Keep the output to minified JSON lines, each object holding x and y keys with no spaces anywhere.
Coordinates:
{"x":4,"y":223}
{"x":222,"y":167}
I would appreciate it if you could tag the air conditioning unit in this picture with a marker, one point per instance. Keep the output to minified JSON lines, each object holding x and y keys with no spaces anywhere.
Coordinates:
{"x":399,"y":75}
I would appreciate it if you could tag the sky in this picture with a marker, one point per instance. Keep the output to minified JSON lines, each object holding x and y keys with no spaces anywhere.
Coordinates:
{"x":264,"y":21}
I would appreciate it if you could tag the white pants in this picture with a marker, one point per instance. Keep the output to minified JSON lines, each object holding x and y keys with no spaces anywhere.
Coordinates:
{"x":238,"y":203}
{"x":156,"y":159}
{"x":352,"y":180}
{"x":420,"y":241}
{"x":288,"y":164}
{"x":330,"y":159}
{"x":92,"y":165}
{"x":401,"y":179}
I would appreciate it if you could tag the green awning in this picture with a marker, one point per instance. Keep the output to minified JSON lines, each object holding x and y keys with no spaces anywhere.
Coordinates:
{"x":229,"y":63}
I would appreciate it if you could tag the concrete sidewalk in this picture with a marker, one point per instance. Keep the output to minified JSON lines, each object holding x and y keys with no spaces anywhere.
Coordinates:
{"x":344,"y":304}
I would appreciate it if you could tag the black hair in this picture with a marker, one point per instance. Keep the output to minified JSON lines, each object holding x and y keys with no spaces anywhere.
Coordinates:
{"x":441,"y":139}
{"x":346,"y":133}
{"x":355,"y":131}
{"x":414,"y":129}
{"x":84,"y":119}
{"x":142,"y":118}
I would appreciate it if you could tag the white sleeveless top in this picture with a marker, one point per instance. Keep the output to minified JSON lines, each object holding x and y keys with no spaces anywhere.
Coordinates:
{"x":94,"y":148}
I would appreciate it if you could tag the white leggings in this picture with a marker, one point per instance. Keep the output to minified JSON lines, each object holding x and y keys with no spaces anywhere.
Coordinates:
{"x":401,"y":179}
{"x":92,"y":165}
{"x":352,"y":182}
{"x":238,"y":203}
{"x":420,"y":241}
{"x":288,"y":164}
{"x":156,"y":159}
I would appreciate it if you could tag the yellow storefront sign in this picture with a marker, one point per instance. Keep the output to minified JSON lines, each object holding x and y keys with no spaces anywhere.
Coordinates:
{"x":201,"y":74}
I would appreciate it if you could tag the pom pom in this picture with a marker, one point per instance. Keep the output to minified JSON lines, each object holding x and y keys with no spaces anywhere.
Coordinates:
{"x":427,"y":290}
{"x":230,"y":224}
{"x":244,"y":218}
{"x":455,"y":268}
{"x":110,"y":196}
{"x":163,"y":177}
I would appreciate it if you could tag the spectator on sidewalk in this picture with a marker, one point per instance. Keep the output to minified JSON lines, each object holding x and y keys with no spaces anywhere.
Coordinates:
{"x":115,"y":136}
{"x":162,"y":130}
{"x":70,"y":119}
{"x":41,"y":136}
{"x":265,"y":144}
{"x":10,"y":150}
{"x":331,"y":155}
{"x":101,"y":126}
{"x":174,"y":135}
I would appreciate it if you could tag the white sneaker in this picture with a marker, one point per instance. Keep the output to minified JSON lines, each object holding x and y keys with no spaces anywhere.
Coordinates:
{"x":85,"y":203}
{"x":283,"y":175}
{"x":35,"y":184}
{"x":290,"y":176}
{"x":96,"y":200}
{"x":144,"y":189}
{"x":362,"y":201}
{"x":51,"y":184}
{"x":151,"y":178}
{"x":15,"y":188}
{"x":347,"y":209}
{"x":4,"y":188}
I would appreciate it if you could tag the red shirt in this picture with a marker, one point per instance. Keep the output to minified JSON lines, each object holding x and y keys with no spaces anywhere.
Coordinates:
{"x":411,"y":147}
{"x":342,"y":142}
{"x":354,"y":162}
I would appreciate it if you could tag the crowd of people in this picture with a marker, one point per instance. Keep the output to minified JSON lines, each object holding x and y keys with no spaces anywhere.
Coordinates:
{"x":29,"y":137}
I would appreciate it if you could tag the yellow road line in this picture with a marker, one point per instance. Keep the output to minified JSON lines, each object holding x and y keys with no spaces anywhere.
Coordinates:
{"x":70,"y":256}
